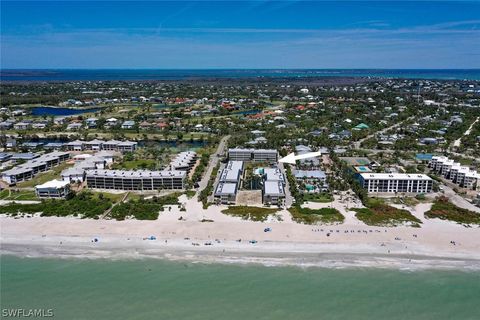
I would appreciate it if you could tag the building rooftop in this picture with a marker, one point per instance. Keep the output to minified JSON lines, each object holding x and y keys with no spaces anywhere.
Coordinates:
{"x":231,"y":171}
{"x":274,"y":188}
{"x":24,"y":156}
{"x":17,"y":170}
{"x":226,"y":188}
{"x":273,"y":174}
{"x":52,"y":184}
{"x":424,"y":156}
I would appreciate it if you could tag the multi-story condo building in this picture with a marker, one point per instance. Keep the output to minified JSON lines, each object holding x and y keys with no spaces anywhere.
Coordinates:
{"x":396,"y":182}
{"x":273,"y":190}
{"x":259,"y":155}
{"x":97,"y":145}
{"x":467,"y":178}
{"x":229,"y":183}
{"x":267,"y":155}
{"x":135,"y":180}
{"x":240,"y":154}
{"x":52,"y":189}
{"x":461,"y":175}
{"x":29,"y":169}
{"x":184,"y":161}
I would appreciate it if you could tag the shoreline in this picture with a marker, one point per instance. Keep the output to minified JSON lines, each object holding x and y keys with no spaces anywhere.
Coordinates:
{"x":180,"y":235}
{"x":71,"y":238}
{"x":316,"y":256}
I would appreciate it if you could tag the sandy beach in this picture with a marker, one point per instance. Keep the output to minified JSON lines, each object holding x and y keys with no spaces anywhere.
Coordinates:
{"x":229,"y":240}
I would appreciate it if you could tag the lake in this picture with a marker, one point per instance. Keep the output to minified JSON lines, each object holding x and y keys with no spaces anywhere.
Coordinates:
{"x":54,"y":111}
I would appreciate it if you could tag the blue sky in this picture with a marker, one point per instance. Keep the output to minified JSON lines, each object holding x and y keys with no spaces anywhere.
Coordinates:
{"x":233,"y":34}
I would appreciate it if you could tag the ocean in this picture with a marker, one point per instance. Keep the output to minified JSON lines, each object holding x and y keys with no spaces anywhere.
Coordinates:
{"x":157,"y":289}
{"x":185,"y":74}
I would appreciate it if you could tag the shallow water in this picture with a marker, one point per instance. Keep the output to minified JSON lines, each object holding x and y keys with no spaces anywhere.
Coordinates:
{"x":157,"y":289}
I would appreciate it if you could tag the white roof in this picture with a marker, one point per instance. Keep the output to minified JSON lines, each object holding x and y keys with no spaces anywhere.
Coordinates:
{"x":52,"y":184}
{"x":82,"y":156}
{"x":273,"y":174}
{"x":273,"y":188}
{"x":232,"y":171}
{"x":75,"y":171}
{"x":226,"y":188}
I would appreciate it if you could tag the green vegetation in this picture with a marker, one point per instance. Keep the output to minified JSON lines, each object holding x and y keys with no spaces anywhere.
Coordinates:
{"x":17,"y":208}
{"x":17,"y":195}
{"x":250,"y":213}
{"x":292,"y":182}
{"x":85,"y":204}
{"x":315,"y":216}
{"x":136,"y":164}
{"x":190,"y":193}
{"x":142,"y":209}
{"x":203,"y":196}
{"x":445,"y":210}
{"x":318,"y":197}
{"x":409,"y":201}
{"x":378,"y":213}
{"x":200,"y":168}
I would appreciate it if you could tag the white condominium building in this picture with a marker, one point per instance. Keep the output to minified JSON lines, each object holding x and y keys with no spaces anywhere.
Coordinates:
{"x":184,"y":161}
{"x":258,"y":155}
{"x":53,"y":189}
{"x":29,"y":169}
{"x":135,"y":180}
{"x":97,"y":145}
{"x":396,"y":182}
{"x":454,"y":171}
{"x":240,"y":154}
{"x":229,"y":183}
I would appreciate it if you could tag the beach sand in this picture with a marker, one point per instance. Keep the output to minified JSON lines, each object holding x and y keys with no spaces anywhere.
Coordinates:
{"x":351,"y":244}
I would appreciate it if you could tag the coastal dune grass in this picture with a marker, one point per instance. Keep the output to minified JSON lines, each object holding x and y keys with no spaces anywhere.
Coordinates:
{"x":445,"y":210}
{"x":143,"y":209}
{"x":17,"y":195}
{"x":93,"y":205}
{"x":320,"y":197}
{"x":85,"y":205}
{"x":315,"y":216}
{"x":250,"y":213}
{"x":377,"y":213}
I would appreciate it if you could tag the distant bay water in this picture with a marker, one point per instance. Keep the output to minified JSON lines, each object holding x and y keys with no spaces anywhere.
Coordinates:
{"x":185,"y":74}
{"x":157,"y":289}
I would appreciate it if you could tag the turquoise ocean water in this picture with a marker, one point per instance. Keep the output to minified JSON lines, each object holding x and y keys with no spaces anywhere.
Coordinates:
{"x":155,"y":289}
{"x":186,"y":74}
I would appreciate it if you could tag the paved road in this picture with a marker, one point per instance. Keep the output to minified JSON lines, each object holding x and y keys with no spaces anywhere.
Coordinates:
{"x":458,"y":200}
{"x":357,"y":143}
{"x":213,"y":162}
{"x":288,"y":195}
{"x":457,"y":142}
